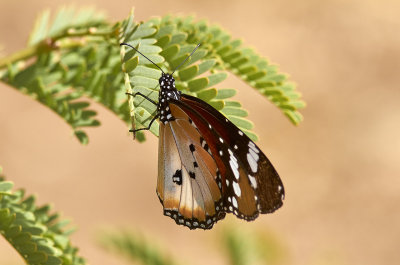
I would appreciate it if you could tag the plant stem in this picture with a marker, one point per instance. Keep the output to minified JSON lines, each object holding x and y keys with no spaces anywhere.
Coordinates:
{"x":18,"y":56}
{"x":49,"y":44}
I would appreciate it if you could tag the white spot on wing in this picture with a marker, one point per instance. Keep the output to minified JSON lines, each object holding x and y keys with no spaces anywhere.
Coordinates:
{"x":234,"y":164}
{"x":234,"y":202}
{"x":254,"y":147}
{"x":253,"y":154}
{"x":236,"y":189}
{"x":240,"y":133}
{"x":234,"y":168}
{"x":253,"y":181}
{"x":252,"y":163}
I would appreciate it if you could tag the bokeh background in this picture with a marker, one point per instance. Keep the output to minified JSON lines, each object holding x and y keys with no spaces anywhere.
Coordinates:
{"x":340,"y":166}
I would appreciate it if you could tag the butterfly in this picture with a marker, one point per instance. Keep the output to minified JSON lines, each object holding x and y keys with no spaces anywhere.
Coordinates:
{"x":207,"y":166}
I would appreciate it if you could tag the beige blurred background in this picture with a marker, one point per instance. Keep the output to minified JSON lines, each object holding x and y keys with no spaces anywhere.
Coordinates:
{"x":340,"y":167}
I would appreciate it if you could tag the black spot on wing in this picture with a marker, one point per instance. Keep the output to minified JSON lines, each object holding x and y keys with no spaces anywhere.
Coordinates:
{"x":192,"y":148}
{"x":177,"y":177}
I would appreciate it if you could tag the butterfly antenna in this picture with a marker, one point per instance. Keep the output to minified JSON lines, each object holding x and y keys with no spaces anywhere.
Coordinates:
{"x":198,"y":45}
{"x":142,"y":54}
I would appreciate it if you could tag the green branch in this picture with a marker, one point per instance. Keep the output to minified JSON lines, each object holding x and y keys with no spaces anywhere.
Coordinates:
{"x":53,"y":43}
{"x":77,"y":55}
{"x":18,"y":56}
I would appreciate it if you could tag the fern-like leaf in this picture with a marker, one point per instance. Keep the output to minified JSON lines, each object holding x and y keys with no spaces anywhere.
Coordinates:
{"x":243,"y":62}
{"x":67,"y":18}
{"x":76,"y":55}
{"x":65,"y":69}
{"x":38,"y":235}
{"x":198,"y":77}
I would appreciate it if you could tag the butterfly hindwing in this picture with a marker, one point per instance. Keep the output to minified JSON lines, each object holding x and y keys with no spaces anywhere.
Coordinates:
{"x":188,"y":173}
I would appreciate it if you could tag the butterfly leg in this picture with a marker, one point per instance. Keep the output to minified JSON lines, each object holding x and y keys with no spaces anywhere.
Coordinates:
{"x":148,"y":127}
{"x":140,"y":94}
{"x":151,"y":122}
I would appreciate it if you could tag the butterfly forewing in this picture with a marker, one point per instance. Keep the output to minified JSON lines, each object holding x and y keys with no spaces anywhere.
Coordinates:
{"x":244,"y":158}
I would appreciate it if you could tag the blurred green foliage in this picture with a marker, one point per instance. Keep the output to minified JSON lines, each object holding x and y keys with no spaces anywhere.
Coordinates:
{"x":239,"y":246}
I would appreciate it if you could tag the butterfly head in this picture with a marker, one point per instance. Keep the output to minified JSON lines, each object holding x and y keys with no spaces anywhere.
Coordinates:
{"x":167,"y":82}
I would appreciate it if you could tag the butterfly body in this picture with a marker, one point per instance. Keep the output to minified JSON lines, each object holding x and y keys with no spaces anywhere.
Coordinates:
{"x":167,"y":92}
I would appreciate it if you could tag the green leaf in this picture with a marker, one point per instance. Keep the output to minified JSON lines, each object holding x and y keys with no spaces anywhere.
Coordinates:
{"x":233,"y":104}
{"x":131,"y":64}
{"x":143,"y":31}
{"x":241,"y":123}
{"x":235,"y":112}
{"x":82,"y":136}
{"x":6,"y":186}
{"x":294,"y":116}
{"x":170,"y":52}
{"x":206,"y":66}
{"x":217,"y":104}
{"x":37,"y":258}
{"x":207,"y":94}
{"x":225,"y":93}
{"x":189,"y":72}
{"x":163,"y":41}
{"x":40,"y":29}
{"x":198,"y":84}
{"x":178,"y":38}
{"x":216,"y":78}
